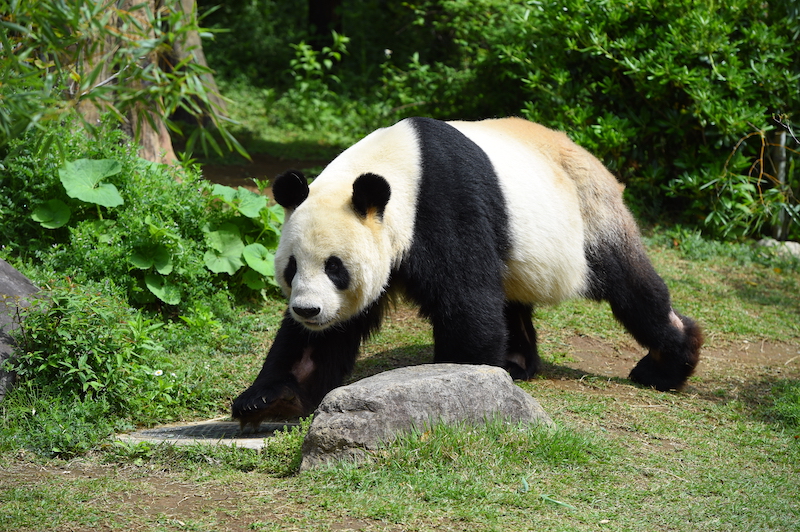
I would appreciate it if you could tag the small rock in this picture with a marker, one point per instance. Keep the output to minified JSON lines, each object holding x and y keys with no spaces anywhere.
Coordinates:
{"x":788,"y":247}
{"x":15,"y":288}
{"x":353,"y":420}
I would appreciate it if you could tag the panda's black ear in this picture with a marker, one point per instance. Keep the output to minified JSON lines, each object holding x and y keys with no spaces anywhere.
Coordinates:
{"x":371,"y":193}
{"x":290,"y":189}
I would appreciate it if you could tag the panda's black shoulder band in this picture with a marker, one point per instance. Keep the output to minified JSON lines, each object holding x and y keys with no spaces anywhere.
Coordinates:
{"x":290,"y":189}
{"x":371,"y":193}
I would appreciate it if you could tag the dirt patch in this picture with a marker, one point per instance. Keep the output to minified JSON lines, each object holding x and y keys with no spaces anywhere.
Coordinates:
{"x":160,"y":500}
{"x":594,"y":356}
{"x":262,"y":167}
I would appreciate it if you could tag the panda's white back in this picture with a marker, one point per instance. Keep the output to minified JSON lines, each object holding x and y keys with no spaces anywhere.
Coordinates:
{"x":547,"y":262}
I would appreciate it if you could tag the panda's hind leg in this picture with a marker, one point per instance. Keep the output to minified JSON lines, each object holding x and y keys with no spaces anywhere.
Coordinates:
{"x":522,"y":356}
{"x":623,"y":275}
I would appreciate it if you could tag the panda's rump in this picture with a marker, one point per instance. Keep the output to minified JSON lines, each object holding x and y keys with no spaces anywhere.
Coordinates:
{"x":546,"y":262}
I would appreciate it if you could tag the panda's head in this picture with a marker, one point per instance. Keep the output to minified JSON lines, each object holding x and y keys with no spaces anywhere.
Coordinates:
{"x":334,"y":258}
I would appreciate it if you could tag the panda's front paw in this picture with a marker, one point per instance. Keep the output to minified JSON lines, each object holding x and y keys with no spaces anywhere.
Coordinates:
{"x":262,"y":403}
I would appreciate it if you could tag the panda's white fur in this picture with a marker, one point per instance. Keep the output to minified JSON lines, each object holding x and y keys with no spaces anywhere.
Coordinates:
{"x":369,"y":249}
{"x":547,"y":262}
{"x":476,"y":222}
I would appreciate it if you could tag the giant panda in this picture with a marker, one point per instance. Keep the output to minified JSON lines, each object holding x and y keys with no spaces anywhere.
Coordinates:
{"x":475,"y":222}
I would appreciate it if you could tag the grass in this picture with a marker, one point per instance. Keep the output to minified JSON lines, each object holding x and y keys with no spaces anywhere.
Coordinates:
{"x":721,"y":455}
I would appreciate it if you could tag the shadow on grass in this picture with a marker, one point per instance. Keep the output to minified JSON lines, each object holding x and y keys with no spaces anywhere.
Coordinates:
{"x":769,"y":291}
{"x":423,"y":354}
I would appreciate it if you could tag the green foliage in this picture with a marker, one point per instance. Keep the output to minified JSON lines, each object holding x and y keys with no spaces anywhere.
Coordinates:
{"x":70,"y":55}
{"x":88,"y":341}
{"x":162,"y":235}
{"x":248,"y":239}
{"x":682,"y":101}
{"x":32,"y":419}
{"x":663,"y":93}
{"x":261,"y":60}
{"x":81,"y":180}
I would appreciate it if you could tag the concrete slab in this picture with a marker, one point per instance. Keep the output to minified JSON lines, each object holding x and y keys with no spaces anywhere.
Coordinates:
{"x":220,"y":431}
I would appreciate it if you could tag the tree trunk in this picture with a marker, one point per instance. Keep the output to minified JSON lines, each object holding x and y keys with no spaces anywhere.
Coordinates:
{"x":781,"y":227}
{"x":145,"y":122}
{"x":192,"y":45}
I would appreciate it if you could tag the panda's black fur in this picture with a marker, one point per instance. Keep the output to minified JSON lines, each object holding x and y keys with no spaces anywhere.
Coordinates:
{"x":455,"y":264}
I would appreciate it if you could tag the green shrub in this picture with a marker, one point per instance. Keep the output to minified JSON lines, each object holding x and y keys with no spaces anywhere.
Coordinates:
{"x":41,"y":420}
{"x":164,"y":235}
{"x":663,"y":94}
{"x":683,"y":101}
{"x":87,"y":340}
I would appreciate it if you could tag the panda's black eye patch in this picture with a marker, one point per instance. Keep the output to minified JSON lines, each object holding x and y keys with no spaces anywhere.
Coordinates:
{"x":290,"y":271}
{"x":337,"y":272}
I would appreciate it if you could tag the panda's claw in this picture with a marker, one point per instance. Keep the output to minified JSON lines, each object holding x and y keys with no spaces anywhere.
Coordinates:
{"x":255,"y":406}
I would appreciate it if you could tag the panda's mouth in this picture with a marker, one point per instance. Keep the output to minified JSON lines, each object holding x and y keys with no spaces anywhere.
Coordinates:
{"x":314,"y":325}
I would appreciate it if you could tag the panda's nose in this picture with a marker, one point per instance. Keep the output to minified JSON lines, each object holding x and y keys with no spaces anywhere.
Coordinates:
{"x":306,"y":312}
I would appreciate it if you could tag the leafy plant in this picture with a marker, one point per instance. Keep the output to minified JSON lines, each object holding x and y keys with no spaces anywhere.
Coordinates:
{"x":662,"y":94}
{"x":33,"y":419}
{"x":82,"y":180}
{"x":745,"y":197}
{"x":247,"y":239}
{"x":173,"y":240}
{"x":87,"y":342}
{"x":71,"y":56}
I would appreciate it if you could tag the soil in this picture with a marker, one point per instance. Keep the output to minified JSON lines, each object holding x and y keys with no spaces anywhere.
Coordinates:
{"x":175,"y":503}
{"x":262,"y":167}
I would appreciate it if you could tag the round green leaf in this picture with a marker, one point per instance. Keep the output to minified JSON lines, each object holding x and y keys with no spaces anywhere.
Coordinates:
{"x":225,"y":255}
{"x":52,"y":215}
{"x":163,"y":289}
{"x":260,"y":259}
{"x":81,"y":180}
{"x":149,"y":256}
{"x":250,"y":203}
{"x":228,"y":194}
{"x":219,"y":263}
{"x":253,"y":280}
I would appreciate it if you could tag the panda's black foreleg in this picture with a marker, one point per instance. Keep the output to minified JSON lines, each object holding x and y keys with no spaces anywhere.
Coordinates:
{"x":301,"y":367}
{"x":522,"y":356}
{"x":468,"y":327}
{"x":623,"y":275}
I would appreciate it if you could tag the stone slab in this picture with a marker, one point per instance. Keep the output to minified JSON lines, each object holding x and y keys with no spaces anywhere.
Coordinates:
{"x":220,"y":431}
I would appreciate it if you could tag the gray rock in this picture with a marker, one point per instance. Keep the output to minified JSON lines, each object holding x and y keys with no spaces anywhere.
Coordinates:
{"x":15,"y":292}
{"x":787,"y":247}
{"x":356,"y":419}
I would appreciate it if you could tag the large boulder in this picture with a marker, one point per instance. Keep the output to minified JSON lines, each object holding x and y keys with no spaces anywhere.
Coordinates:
{"x":15,"y":291}
{"x":356,"y":419}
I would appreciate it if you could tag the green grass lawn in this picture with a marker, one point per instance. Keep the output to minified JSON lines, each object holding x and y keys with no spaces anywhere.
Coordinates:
{"x":721,"y":455}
